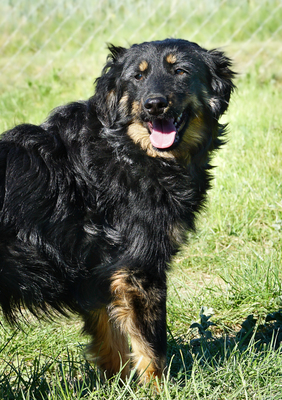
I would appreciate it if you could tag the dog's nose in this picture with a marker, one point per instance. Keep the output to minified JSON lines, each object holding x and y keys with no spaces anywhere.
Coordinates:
{"x":156,"y":105}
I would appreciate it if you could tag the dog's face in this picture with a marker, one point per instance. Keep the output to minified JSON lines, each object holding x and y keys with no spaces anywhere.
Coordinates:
{"x":168,"y":94}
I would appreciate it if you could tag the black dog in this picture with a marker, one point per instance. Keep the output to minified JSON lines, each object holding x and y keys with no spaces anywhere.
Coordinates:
{"x":97,"y":199}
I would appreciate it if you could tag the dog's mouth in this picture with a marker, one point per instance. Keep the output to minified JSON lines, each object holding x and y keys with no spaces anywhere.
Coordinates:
{"x":167,"y":133}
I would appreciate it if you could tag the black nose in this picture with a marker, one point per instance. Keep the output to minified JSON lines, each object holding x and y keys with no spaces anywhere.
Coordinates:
{"x":156,"y":105}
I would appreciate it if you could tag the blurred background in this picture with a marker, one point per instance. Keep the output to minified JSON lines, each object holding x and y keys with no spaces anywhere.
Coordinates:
{"x":46,"y":42}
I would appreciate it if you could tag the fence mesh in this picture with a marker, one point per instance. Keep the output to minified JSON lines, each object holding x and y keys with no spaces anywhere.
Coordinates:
{"x":66,"y":37}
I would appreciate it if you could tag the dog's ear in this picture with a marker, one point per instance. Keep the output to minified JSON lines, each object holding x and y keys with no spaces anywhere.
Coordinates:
{"x":221,"y":81}
{"x":107,"y":87}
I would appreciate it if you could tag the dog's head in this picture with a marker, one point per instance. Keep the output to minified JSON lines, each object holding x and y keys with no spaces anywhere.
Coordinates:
{"x":168,"y":95}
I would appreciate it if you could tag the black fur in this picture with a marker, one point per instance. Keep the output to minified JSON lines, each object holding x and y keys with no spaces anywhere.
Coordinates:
{"x":81,"y":200}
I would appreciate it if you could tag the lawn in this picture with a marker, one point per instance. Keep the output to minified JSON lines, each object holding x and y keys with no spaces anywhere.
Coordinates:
{"x":225,"y":287}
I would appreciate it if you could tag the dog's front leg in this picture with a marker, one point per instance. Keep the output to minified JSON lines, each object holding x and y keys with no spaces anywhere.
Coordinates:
{"x":109,"y":345}
{"x":139,"y":309}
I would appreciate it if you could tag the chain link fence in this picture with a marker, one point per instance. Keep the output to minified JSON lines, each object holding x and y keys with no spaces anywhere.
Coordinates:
{"x":67,"y":37}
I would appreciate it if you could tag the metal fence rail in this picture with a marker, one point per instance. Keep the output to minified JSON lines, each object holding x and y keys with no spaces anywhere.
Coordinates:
{"x":69,"y":36}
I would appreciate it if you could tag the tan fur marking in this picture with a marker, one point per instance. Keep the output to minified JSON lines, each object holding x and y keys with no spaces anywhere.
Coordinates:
{"x":143,"y":65}
{"x":140,"y":135}
{"x":111,"y":98}
{"x":109,"y":347}
{"x":135,"y":108}
{"x":120,"y":309}
{"x":171,"y":59}
{"x":122,"y":312}
{"x":192,"y":137}
{"x":144,"y":360}
{"x":123,"y":103}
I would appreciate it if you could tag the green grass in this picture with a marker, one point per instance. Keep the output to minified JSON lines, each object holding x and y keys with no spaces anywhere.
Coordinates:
{"x":232,"y":264}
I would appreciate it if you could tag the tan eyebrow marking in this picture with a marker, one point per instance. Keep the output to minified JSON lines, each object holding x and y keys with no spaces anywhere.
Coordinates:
{"x":143,"y":66}
{"x":171,"y":58}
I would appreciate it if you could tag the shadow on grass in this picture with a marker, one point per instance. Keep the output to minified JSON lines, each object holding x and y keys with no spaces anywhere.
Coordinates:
{"x":76,"y":379}
{"x":213,"y":351}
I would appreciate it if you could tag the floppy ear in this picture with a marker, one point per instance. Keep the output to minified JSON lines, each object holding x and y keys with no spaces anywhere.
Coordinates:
{"x":107,"y":87}
{"x":221,"y":81}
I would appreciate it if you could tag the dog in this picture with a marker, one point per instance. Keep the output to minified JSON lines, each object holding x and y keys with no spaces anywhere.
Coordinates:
{"x":97,"y":199}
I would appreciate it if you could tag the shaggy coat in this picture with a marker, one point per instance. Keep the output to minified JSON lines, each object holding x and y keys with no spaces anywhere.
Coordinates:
{"x":95,"y":201}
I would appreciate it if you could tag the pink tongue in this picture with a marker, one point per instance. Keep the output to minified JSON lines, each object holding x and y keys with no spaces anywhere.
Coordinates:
{"x":163,"y":133}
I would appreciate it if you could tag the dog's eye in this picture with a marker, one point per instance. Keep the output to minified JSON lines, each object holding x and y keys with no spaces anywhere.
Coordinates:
{"x":179,"y":71}
{"x":139,"y":76}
